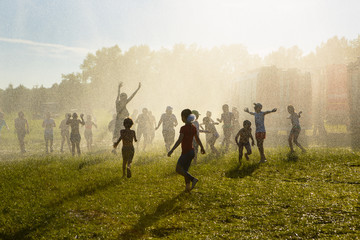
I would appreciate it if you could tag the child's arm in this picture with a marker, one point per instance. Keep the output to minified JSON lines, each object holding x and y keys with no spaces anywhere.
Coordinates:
{"x":181,"y":136}
{"x":119,"y":87}
{"x":133,"y":95}
{"x":160,"y":122}
{"x":252,"y":140}
{"x":237,"y":137}
{"x":135,"y":139}
{"x":82,"y":119}
{"x":220,"y":119}
{"x":94,"y":124}
{"x":117,"y":142}
{"x":176,"y":122}
{"x":267,"y":112}
{"x":247,"y":110}
{"x":300,"y":114}
{"x":197,"y":139}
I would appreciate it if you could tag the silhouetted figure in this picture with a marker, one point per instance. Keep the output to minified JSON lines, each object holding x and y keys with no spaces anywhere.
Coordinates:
{"x":169,"y":122}
{"x":152,"y":127}
{"x":208,"y":136}
{"x":48,"y":125}
{"x":260,"y":133}
{"x":295,"y":130}
{"x":111,"y":125}
{"x":88,"y":132}
{"x":187,"y":134}
{"x":199,"y":129}
{"x":236,"y":123}
{"x":143,"y":122}
{"x":127,"y":136}
{"x":21,"y":128}
{"x":65,"y":133}
{"x":228,"y":119}
{"x":211,"y":134}
{"x":244,"y":134}
{"x":75,"y":137}
{"x":2,"y":123}
{"x":121,"y":101}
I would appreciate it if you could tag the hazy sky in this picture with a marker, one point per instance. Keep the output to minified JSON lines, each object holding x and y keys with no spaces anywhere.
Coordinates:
{"x":41,"y":39}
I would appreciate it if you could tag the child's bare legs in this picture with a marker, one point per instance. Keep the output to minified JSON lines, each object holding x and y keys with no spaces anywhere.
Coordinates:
{"x":260,"y":144}
{"x":226,"y":141}
{"x":51,"y":144}
{"x":241,"y":147}
{"x":46,"y":145}
{"x":73,"y":148}
{"x":78,"y":148}
{"x":124,"y":167}
{"x":295,"y":137}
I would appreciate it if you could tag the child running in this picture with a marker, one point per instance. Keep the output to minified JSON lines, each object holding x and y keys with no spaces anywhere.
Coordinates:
{"x":48,"y":125}
{"x":295,"y":130}
{"x":260,"y":133}
{"x":75,"y":137}
{"x":88,"y":132}
{"x":21,"y":128}
{"x":245,"y":135}
{"x":65,"y":134}
{"x":211,"y":134}
{"x":127,"y":136}
{"x":187,"y":134}
{"x":228,"y":118}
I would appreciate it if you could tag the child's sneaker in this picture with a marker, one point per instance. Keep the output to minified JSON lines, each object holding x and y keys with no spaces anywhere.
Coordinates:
{"x":128,"y":172}
{"x":194,"y":181}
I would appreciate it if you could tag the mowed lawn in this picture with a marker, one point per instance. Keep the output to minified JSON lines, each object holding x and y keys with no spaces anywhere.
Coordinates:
{"x":309,"y":196}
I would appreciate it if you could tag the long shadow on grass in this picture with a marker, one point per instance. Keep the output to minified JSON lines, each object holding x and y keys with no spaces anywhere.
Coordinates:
{"x":45,"y":219}
{"x":242,"y":171}
{"x":165,"y":208}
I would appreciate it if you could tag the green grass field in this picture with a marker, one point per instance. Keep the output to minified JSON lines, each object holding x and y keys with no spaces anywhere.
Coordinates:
{"x":311,"y":196}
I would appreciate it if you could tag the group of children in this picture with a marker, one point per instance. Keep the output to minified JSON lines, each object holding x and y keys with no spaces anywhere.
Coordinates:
{"x":190,"y":141}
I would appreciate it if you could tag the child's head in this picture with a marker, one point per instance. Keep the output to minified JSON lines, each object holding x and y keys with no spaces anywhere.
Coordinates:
{"x":48,"y":115}
{"x":185,"y":114}
{"x":21,"y":114}
{"x":75,"y":116}
{"x":291,"y":109}
{"x":208,"y":114}
{"x":196,"y":113}
{"x":88,"y":117}
{"x":145,"y":111}
{"x":123,"y":97}
{"x":169,"y":110}
{"x":225,"y":108}
{"x":67,"y":115}
{"x":257,"y":107}
{"x":128,"y":122}
{"x":247,"y":124}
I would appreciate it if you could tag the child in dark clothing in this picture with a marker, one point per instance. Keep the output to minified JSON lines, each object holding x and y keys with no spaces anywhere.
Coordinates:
{"x":127,"y":136}
{"x":75,"y":137}
{"x":245,"y":135}
{"x":187,"y":134}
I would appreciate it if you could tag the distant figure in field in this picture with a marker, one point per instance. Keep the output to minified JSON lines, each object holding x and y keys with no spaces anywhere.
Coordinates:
{"x":169,"y":122}
{"x":198,"y":130}
{"x":260,"y":133}
{"x":208,"y":135}
{"x":111,"y":125}
{"x":143,"y":122}
{"x":65,"y":133}
{"x":75,"y":137}
{"x":134,"y":116}
{"x":236,"y":123}
{"x":211,"y":134}
{"x":228,"y":118}
{"x":21,"y":128}
{"x":121,"y":101}
{"x":244,"y":134}
{"x":2,"y":122}
{"x":127,"y":136}
{"x":152,"y":127}
{"x":88,"y":131}
{"x":48,"y":125}
{"x":187,"y":134}
{"x":295,"y":130}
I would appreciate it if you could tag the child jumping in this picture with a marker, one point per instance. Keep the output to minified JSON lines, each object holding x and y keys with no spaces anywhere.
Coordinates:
{"x":75,"y":137}
{"x":260,"y":133}
{"x":127,"y":136}
{"x":187,"y":134}
{"x":245,"y":135}
{"x":295,"y":130}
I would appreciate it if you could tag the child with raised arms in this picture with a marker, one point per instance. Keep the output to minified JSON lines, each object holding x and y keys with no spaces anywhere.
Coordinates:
{"x":187,"y":134}
{"x":260,"y":132}
{"x":75,"y":136}
{"x":127,"y":136}
{"x":244,"y":134}
{"x":295,"y":130}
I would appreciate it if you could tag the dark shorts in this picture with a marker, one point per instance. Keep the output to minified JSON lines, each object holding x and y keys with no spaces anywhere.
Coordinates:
{"x":295,"y":130}
{"x":247,"y":146}
{"x":75,"y":138}
{"x":260,"y":135}
{"x":185,"y":159}
{"x":48,"y":136}
{"x":128,"y":153}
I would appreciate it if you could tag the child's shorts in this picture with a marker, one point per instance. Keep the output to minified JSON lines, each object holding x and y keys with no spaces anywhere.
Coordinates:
{"x":295,"y":130}
{"x":128,"y":153}
{"x":260,"y":135}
